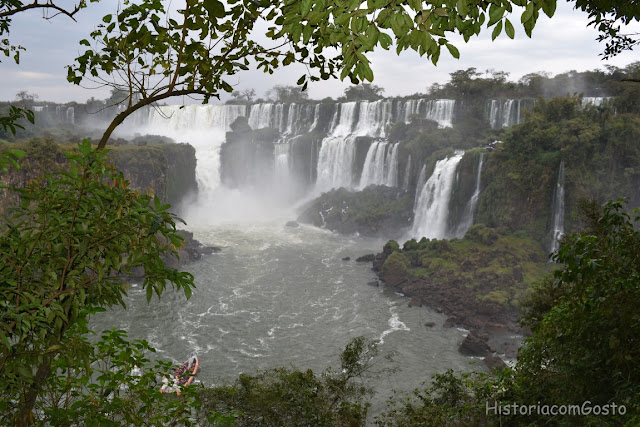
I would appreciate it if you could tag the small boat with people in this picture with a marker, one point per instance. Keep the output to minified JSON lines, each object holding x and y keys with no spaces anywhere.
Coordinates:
{"x":182,"y":376}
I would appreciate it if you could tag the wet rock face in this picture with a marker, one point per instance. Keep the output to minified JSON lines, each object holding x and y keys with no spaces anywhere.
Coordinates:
{"x":374,"y":211}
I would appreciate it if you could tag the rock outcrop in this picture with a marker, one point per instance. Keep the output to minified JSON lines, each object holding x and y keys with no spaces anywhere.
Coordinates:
{"x":374,"y":211}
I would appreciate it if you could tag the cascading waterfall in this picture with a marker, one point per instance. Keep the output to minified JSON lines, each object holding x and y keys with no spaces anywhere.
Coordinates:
{"x":422,"y":178}
{"x":596,"y":101}
{"x":267,"y":116}
{"x":374,"y":164}
{"x":391,"y":166}
{"x":204,"y":127}
{"x":470,"y":209}
{"x":407,"y":172}
{"x":335,"y":161}
{"x":380,"y":165}
{"x":432,"y":208}
{"x":558,"y":211}
{"x":503,"y":114}
{"x":408,"y":108}
{"x":281,"y":169}
{"x":441,"y":111}
{"x":373,"y":118}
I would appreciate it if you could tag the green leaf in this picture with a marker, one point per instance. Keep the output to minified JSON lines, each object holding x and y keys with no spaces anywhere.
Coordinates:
{"x":527,"y":14}
{"x":508,"y":28}
{"x":305,"y":7}
{"x":440,"y":11}
{"x":549,"y":7}
{"x":497,"y":30}
{"x":214,"y":8}
{"x":453,"y":50}
{"x":463,"y":8}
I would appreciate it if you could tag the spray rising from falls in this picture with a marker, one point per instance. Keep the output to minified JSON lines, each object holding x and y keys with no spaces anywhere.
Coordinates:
{"x":558,"y":211}
{"x":204,"y":127}
{"x":432,"y":208}
{"x":469,"y":210}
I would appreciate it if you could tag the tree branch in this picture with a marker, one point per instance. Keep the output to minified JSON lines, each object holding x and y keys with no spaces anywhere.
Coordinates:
{"x":117,"y":121}
{"x":36,"y":5}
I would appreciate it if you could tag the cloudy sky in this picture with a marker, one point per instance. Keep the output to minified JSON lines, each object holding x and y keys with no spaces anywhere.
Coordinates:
{"x":558,"y":45}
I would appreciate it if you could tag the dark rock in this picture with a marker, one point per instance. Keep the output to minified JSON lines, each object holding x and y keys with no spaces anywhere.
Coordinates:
{"x":415,"y":302}
{"x":374,"y":211}
{"x":347,"y":258}
{"x":430,"y":324}
{"x":208,"y":250}
{"x":292,"y":224}
{"x":494,"y":363}
{"x":474,"y":346}
{"x":366,"y":258}
{"x":374,"y":283}
{"x":450,"y":322}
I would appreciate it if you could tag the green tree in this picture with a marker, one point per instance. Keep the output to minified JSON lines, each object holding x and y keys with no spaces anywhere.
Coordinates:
{"x":364,"y":91}
{"x":283,"y":93}
{"x":70,"y":247}
{"x":585,"y":319}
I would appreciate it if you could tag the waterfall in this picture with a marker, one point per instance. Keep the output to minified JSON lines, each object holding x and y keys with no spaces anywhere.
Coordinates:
{"x":506,"y":113}
{"x":493,"y":113}
{"x":380,"y":165}
{"x":335,"y":163}
{"x":503,"y":114}
{"x":596,"y":101}
{"x":374,"y":163}
{"x":408,"y":108}
{"x":70,"y":115}
{"x":204,"y":127}
{"x":441,"y":111}
{"x":432,"y":208}
{"x":373,"y":118}
{"x":316,"y":117}
{"x":407,"y":172}
{"x":422,"y":178}
{"x":337,"y":152}
{"x":558,"y":210}
{"x":470,"y":209}
{"x":267,"y":116}
{"x":281,"y":168}
{"x":391,"y":166}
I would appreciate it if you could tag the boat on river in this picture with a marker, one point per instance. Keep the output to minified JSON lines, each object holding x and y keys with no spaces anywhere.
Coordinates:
{"x":182,"y":376}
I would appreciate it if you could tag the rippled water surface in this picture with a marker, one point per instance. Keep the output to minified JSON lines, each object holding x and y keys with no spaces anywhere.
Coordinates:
{"x":278,"y":296}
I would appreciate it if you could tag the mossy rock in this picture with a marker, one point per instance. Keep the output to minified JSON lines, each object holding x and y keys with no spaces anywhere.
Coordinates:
{"x":395,"y":268}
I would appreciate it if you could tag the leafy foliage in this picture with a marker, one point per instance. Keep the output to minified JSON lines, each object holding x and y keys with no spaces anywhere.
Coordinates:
{"x":586,"y":318}
{"x":287,"y":397}
{"x":70,"y":247}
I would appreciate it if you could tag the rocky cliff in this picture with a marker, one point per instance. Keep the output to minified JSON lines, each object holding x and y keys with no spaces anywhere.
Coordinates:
{"x":375,"y":211}
{"x":166,"y":169}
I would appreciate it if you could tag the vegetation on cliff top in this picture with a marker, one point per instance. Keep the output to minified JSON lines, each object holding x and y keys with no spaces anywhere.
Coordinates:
{"x":497,"y":269}
{"x":583,"y":350}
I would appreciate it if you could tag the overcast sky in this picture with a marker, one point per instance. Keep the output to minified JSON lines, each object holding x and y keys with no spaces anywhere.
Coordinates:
{"x":558,"y":45}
